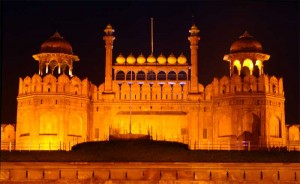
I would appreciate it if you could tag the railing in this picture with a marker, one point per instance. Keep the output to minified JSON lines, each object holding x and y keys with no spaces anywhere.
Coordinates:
{"x":238,"y":145}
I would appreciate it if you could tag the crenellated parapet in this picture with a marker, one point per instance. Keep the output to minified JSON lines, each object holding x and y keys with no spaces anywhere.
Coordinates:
{"x":50,"y":84}
{"x":247,"y":85}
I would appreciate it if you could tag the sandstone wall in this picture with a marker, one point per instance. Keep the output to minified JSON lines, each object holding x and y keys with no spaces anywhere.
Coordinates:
{"x":149,"y":173}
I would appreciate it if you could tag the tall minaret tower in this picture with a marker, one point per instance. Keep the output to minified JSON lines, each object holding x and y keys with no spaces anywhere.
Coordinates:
{"x":194,"y":38}
{"x":109,"y":39}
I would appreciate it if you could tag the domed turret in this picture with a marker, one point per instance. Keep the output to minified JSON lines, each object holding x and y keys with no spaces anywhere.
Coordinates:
{"x":56,"y":44}
{"x":141,"y":59}
{"x":131,"y":59}
{"x":161,"y":59}
{"x":182,"y":59}
{"x":151,"y":59}
{"x":171,"y":59}
{"x":55,"y":54}
{"x":245,"y":54}
{"x":246,"y":43}
{"x":120,"y":59}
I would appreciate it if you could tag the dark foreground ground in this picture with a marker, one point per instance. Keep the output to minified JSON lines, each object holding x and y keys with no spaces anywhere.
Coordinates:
{"x":147,"y":151}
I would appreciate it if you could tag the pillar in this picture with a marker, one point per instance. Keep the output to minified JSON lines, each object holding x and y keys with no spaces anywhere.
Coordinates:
{"x":194,"y":38}
{"x":108,"y":38}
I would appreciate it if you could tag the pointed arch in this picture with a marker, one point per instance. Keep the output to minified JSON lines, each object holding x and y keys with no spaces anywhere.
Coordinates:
{"x":275,"y":126}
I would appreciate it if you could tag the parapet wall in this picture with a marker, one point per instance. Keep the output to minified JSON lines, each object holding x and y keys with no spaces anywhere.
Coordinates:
{"x":51,"y":84}
{"x":151,"y":172}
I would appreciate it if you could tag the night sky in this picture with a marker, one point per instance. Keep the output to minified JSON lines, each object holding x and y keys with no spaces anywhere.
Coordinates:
{"x":26,"y":25}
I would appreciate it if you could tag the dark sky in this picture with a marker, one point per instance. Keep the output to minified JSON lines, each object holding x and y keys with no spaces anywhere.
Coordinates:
{"x":26,"y":25}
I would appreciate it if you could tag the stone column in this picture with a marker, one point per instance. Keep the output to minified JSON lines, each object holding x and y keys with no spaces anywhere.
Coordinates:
{"x":194,"y":38}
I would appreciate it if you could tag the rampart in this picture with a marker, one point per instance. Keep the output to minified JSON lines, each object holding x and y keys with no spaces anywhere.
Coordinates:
{"x":149,"y":172}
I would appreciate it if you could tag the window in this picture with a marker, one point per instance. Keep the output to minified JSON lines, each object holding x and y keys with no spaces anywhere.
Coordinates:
{"x":120,"y":75}
{"x":182,"y":75}
{"x":151,"y":76}
{"x":130,"y":75}
{"x":161,"y":75}
{"x":171,"y":75}
{"x":140,"y":75}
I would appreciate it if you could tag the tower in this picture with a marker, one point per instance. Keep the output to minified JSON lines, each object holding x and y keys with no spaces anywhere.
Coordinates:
{"x":109,"y":39}
{"x":52,"y":111}
{"x":194,"y":38}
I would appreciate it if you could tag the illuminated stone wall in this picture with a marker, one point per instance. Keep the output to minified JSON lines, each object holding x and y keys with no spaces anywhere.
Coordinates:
{"x":8,"y":136}
{"x":147,"y":173}
{"x":158,"y":96}
{"x":52,"y":112}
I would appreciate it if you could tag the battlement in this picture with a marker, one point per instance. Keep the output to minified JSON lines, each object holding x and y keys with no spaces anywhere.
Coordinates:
{"x":247,"y":85}
{"x":51,"y":84}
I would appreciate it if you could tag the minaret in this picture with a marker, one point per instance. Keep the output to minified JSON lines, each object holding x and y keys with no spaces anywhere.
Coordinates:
{"x":109,"y":39}
{"x":194,"y":38}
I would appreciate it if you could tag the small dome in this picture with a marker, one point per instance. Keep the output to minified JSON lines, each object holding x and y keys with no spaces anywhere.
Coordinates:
{"x":151,"y":59}
{"x":120,"y":59}
{"x":246,"y":43}
{"x":182,"y":59}
{"x":130,"y":59}
{"x":171,"y":59}
{"x":161,"y":59}
{"x":141,"y":59}
{"x":56,"y":44}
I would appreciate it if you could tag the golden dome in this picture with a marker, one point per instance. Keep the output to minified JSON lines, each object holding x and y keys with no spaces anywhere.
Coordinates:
{"x":182,"y":59}
{"x":151,"y":59}
{"x":141,"y":59}
{"x":130,"y":59}
{"x":171,"y":59}
{"x":161,"y":59}
{"x":246,"y":43}
{"x":56,"y":44}
{"x":120,"y":59}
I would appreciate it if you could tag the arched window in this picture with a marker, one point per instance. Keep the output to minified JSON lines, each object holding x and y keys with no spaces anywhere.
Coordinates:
{"x":151,"y":75}
{"x":120,"y":75}
{"x":130,"y":75}
{"x":182,"y":75}
{"x":275,"y":127}
{"x":140,"y":75}
{"x":161,"y":75}
{"x":171,"y":75}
